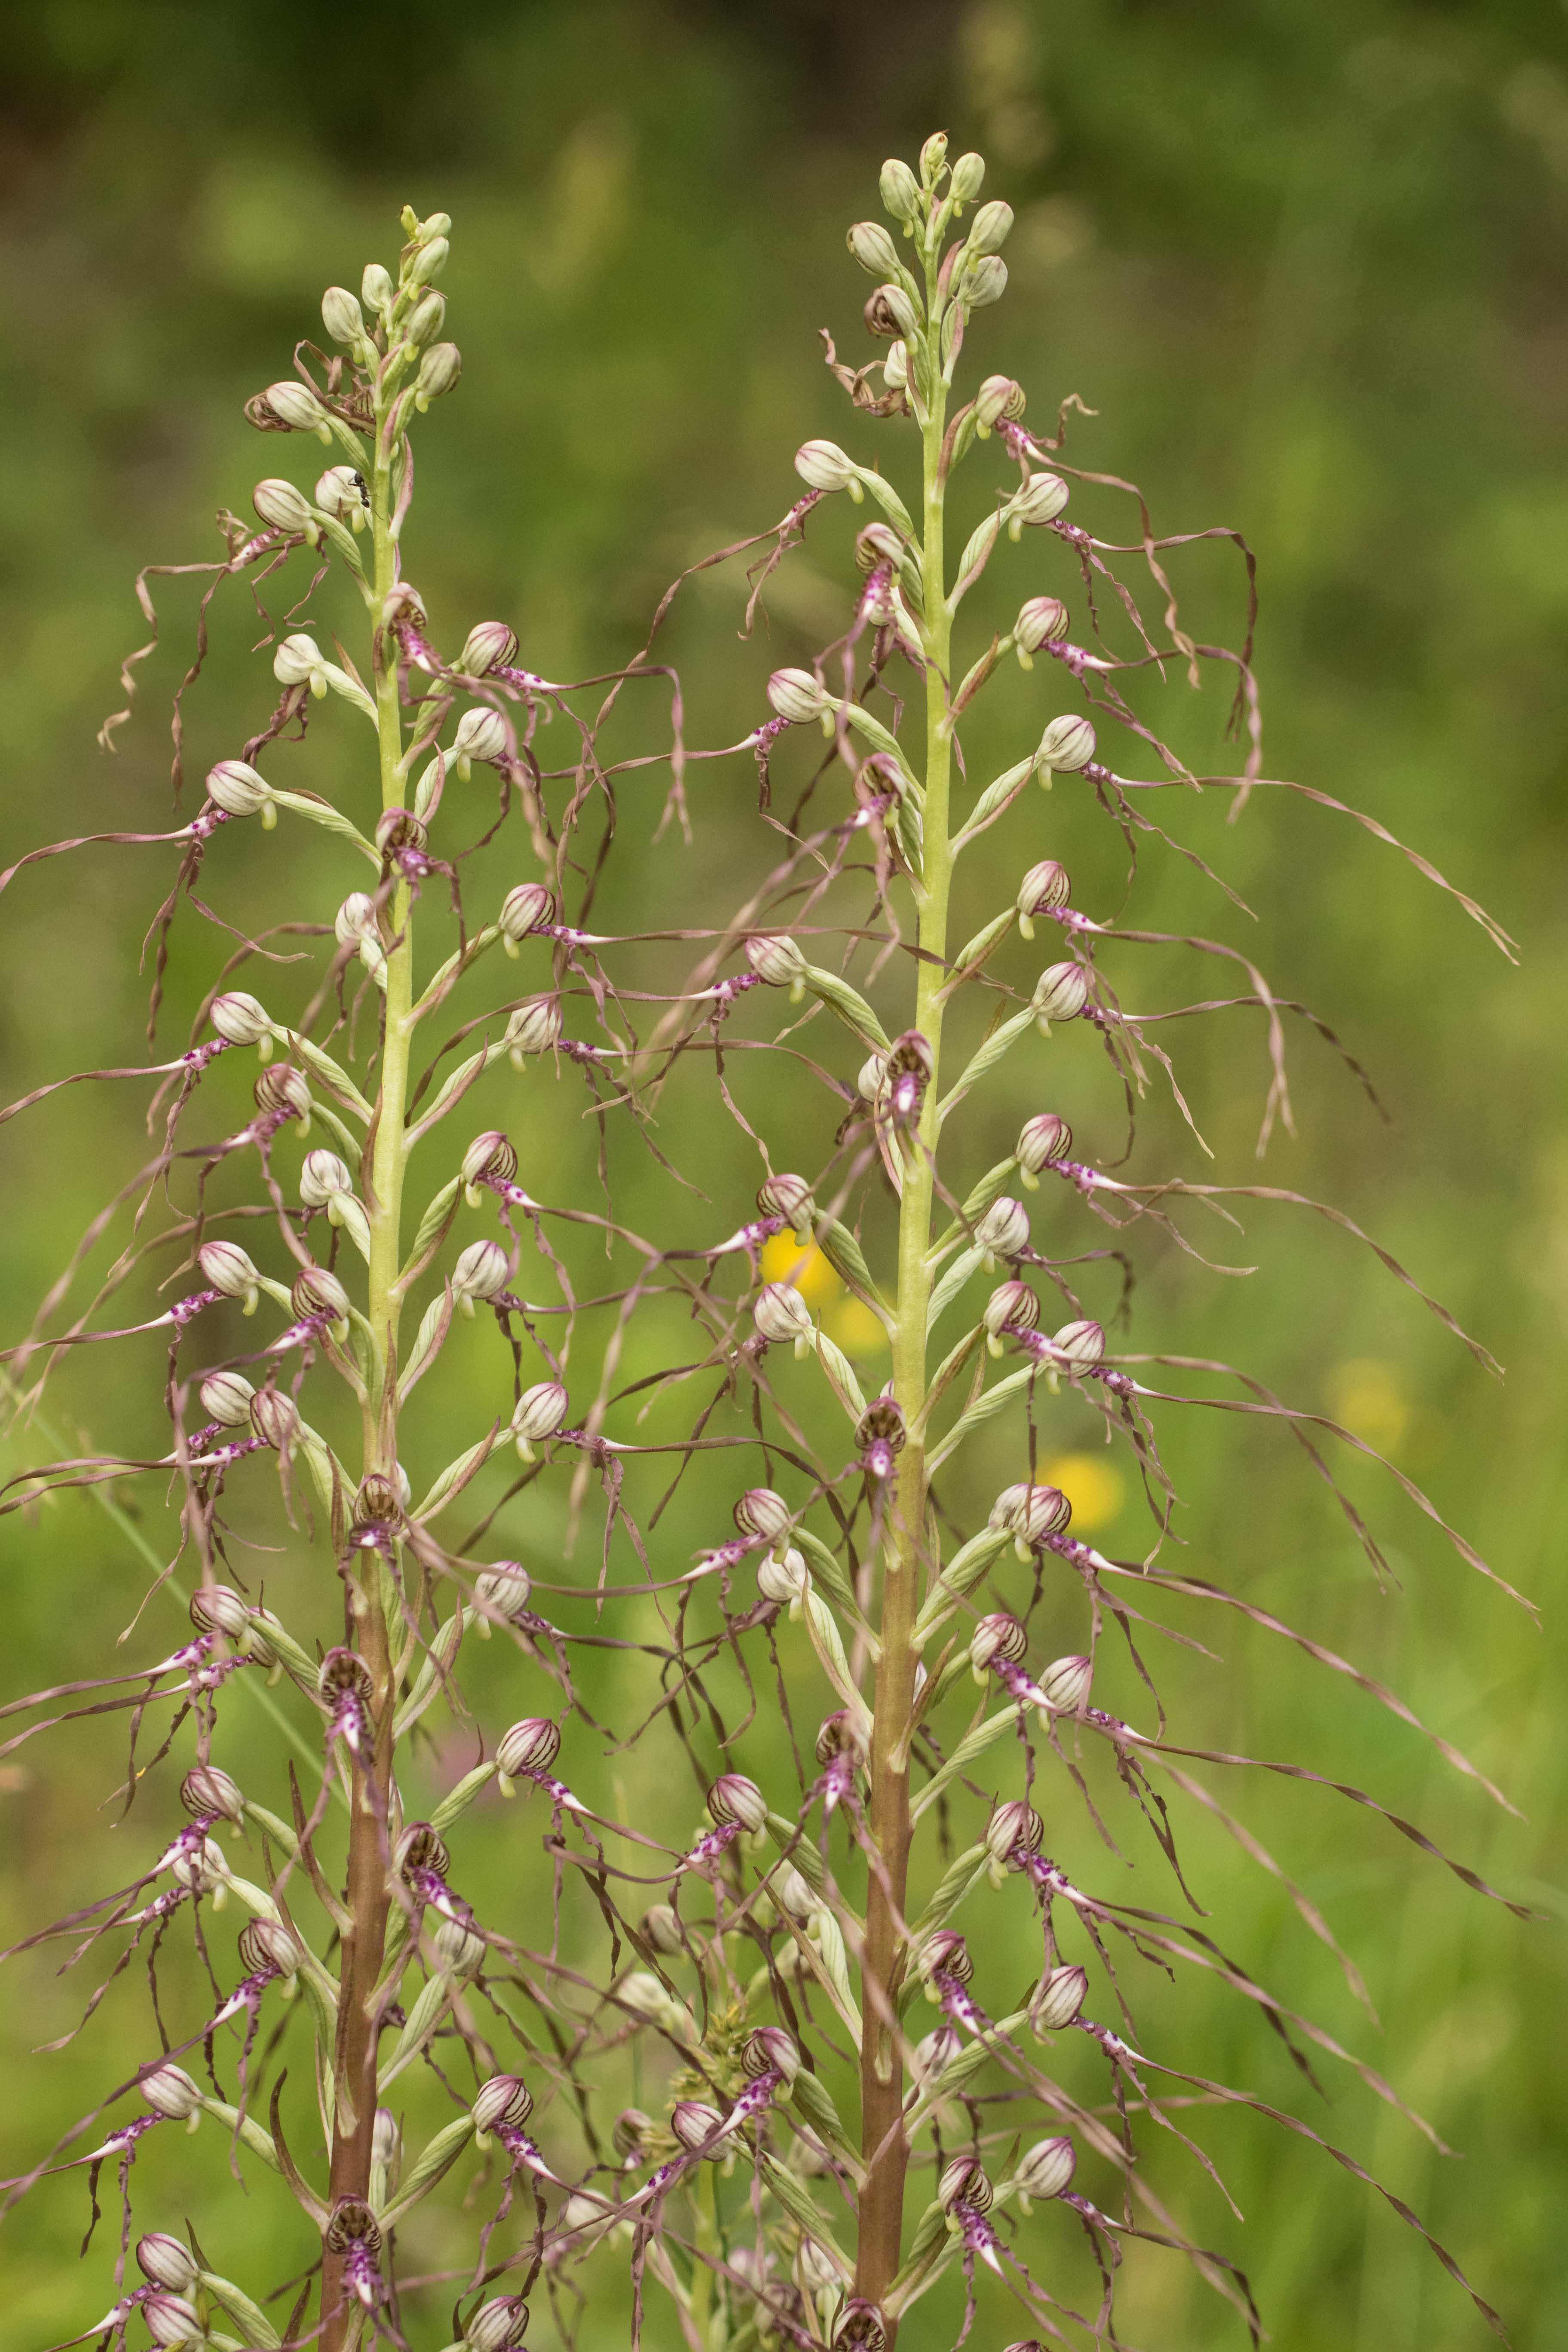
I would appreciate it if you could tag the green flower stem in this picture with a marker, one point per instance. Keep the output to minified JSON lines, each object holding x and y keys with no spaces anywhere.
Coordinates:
{"x":883,"y":2139}
{"x":364,"y":1940}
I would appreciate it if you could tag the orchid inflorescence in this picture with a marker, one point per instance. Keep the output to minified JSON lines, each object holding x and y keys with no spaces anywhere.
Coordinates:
{"x":849,"y":2109}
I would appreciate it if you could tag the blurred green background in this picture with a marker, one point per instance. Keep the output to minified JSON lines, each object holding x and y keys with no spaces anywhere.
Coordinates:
{"x":1305,"y":262}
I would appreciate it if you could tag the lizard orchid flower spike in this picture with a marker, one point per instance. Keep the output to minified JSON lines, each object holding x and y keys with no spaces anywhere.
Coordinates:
{"x":385,"y":1477}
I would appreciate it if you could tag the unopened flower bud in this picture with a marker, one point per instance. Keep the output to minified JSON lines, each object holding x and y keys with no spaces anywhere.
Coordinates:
{"x":523,"y":910}
{"x":283,"y":507}
{"x":482,"y":735}
{"x":1058,"y":1998}
{"x":169,"y":2091}
{"x":632,"y":2131}
{"x":539,"y":1413}
{"x":225,"y":1397}
{"x":967,"y":178}
{"x":295,"y":406}
{"x":202,"y":1870}
{"x":1004,"y":1230}
{"x":824,"y":466}
{"x":1044,"y":888}
{"x":963,"y":2182}
{"x":985,"y":282}
{"x":498,"y":2324}
{"x":226,"y":1266}
{"x":1030,"y":1512}
{"x":488,"y":644}
{"x":1041,"y":1140}
{"x":490,"y":1158}
{"x":1065,"y":1685}
{"x":355,"y":918}
{"x":298,"y":661}
{"x":1014,"y":1824}
{"x":933,"y":155}
{"x":1082,"y":1343}
{"x":775,"y":959}
{"x":996,"y":1637}
{"x":501,"y":1591}
{"x":1067,"y":743}
{"x":241,"y":1019}
{"x":1061,"y":992}
{"x":999,"y":397}
{"x":376,"y":288}
{"x":735,"y":1798}
{"x":281,"y":1088}
{"x":167,"y":2262}
{"x":386,"y":2147}
{"x":695,"y":2125}
{"x":931,"y":2055}
{"x":459,"y":1952}
{"x":796,"y":697}
{"x":208,"y":1790}
{"x":534,"y":1028}
{"x":783,"y":1578}
{"x":1012,"y":1304}
{"x":874,"y":249}
{"x":643,"y":1994}
{"x":438,"y":371}
{"x":792,"y":1891}
{"x":220,"y":1608}
{"x":480,"y":1271}
{"x":319,"y":1292}
{"x":760,"y":1512}
{"x":993,"y":223}
{"x":267,"y":1944}
{"x":342,"y":316}
{"x":900,"y":190}
{"x":789,"y":1197}
{"x":240,"y":791}
{"x":815,"y":2268}
{"x":769,"y":2051}
{"x":274,"y":1418}
{"x":781,"y":1314}
{"x":428,"y":318}
{"x":945,"y":1954}
{"x":531,"y":1746}
{"x":323,"y":1175}
{"x":504,"y":2099}
{"x":429,"y":261}
{"x":1040,"y":500}
{"x":1043,"y":621}
{"x":661,"y":1928}
{"x":1046,"y":2169}
{"x":172,"y":2321}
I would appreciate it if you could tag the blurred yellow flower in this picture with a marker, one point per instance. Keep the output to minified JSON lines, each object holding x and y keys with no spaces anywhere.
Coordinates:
{"x":784,"y":1259}
{"x":857,"y":1330}
{"x":846,"y":1318}
{"x":1093,"y":1485}
{"x":1366,"y":1396}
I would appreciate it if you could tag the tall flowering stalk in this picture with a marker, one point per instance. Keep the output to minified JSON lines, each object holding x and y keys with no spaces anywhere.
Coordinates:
{"x":781,"y":1993}
{"x":892,"y":1589}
